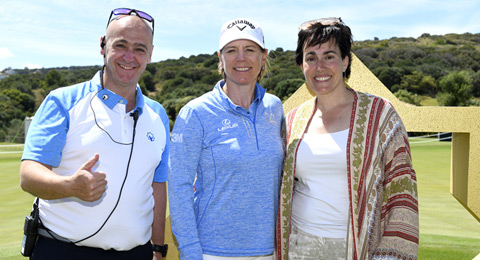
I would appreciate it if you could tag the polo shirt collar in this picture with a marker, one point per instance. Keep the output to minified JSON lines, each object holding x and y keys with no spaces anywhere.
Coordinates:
{"x":225,"y":100}
{"x":111,"y":99}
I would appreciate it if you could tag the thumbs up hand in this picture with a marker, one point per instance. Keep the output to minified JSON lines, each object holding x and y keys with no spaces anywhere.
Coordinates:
{"x":87,"y":185}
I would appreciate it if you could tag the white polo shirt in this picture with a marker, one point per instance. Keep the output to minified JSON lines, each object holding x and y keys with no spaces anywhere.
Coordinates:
{"x":67,"y":131}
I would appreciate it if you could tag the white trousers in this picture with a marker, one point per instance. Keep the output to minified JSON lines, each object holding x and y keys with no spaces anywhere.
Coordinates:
{"x":213,"y":257}
{"x":305,"y":246}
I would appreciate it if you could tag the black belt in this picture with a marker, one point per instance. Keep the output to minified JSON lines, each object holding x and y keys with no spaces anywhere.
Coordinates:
{"x":42,"y":231}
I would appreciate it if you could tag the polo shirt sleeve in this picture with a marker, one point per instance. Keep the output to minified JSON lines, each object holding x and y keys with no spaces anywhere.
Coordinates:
{"x":47,"y":132}
{"x":161,"y":172}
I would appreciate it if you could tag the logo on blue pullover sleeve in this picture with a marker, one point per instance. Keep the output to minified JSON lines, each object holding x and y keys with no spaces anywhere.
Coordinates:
{"x":176,"y":138}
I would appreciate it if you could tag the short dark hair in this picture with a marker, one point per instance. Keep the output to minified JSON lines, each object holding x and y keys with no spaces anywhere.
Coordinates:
{"x":317,"y":33}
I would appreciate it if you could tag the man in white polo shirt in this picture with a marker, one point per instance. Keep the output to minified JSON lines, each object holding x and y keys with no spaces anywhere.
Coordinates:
{"x":96,"y":155}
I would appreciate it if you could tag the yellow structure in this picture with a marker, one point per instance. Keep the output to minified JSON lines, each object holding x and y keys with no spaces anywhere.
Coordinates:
{"x":461,"y":121}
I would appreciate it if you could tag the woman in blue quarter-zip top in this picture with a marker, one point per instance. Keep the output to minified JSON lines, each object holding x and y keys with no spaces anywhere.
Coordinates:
{"x":226,"y":157}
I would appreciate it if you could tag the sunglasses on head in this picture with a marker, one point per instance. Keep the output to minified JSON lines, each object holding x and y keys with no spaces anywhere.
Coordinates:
{"x":127,"y":11}
{"x":323,"y":21}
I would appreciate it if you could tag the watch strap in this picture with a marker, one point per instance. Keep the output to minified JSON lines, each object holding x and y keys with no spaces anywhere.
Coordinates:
{"x":161,"y":249}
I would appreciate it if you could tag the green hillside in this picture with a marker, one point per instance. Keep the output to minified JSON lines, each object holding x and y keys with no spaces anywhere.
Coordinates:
{"x":428,"y":70}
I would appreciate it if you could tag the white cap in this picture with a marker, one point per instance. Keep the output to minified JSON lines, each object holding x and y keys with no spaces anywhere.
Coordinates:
{"x":237,"y":29}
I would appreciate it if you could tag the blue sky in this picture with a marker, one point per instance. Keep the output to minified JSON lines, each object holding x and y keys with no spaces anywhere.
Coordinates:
{"x":56,"y":33}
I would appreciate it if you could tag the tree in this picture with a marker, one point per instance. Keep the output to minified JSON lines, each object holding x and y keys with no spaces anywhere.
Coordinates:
{"x":417,"y":83}
{"x":428,"y":85}
{"x":193,"y":73}
{"x":405,"y":96}
{"x":211,"y":78}
{"x":287,"y":87}
{"x":3,"y":135}
{"x":147,"y":80}
{"x":16,"y":132}
{"x":272,"y":82}
{"x":476,"y":84}
{"x":23,"y":87}
{"x":389,"y":76}
{"x":8,"y":111}
{"x":211,"y":62}
{"x":151,"y":67}
{"x":366,"y":55}
{"x":54,"y":78}
{"x":22,"y":101}
{"x":176,"y":83}
{"x":456,"y":89}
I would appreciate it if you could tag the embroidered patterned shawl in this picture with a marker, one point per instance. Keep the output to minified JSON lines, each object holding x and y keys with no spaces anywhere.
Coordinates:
{"x":383,"y":212}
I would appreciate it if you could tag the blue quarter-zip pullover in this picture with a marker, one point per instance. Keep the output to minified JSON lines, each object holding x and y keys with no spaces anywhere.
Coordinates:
{"x":234,"y":157}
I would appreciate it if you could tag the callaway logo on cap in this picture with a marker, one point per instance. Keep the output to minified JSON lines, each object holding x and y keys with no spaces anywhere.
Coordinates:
{"x":237,"y":29}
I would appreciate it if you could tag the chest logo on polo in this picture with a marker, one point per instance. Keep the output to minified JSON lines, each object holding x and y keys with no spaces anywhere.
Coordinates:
{"x":150,"y":136}
{"x":227,"y":124}
{"x":270,"y":117}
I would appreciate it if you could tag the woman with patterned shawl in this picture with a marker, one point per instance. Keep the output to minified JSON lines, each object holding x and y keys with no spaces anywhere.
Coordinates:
{"x":348,"y":187}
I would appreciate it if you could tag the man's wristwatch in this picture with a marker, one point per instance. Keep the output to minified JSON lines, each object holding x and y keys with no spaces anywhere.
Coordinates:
{"x":161,"y":249}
